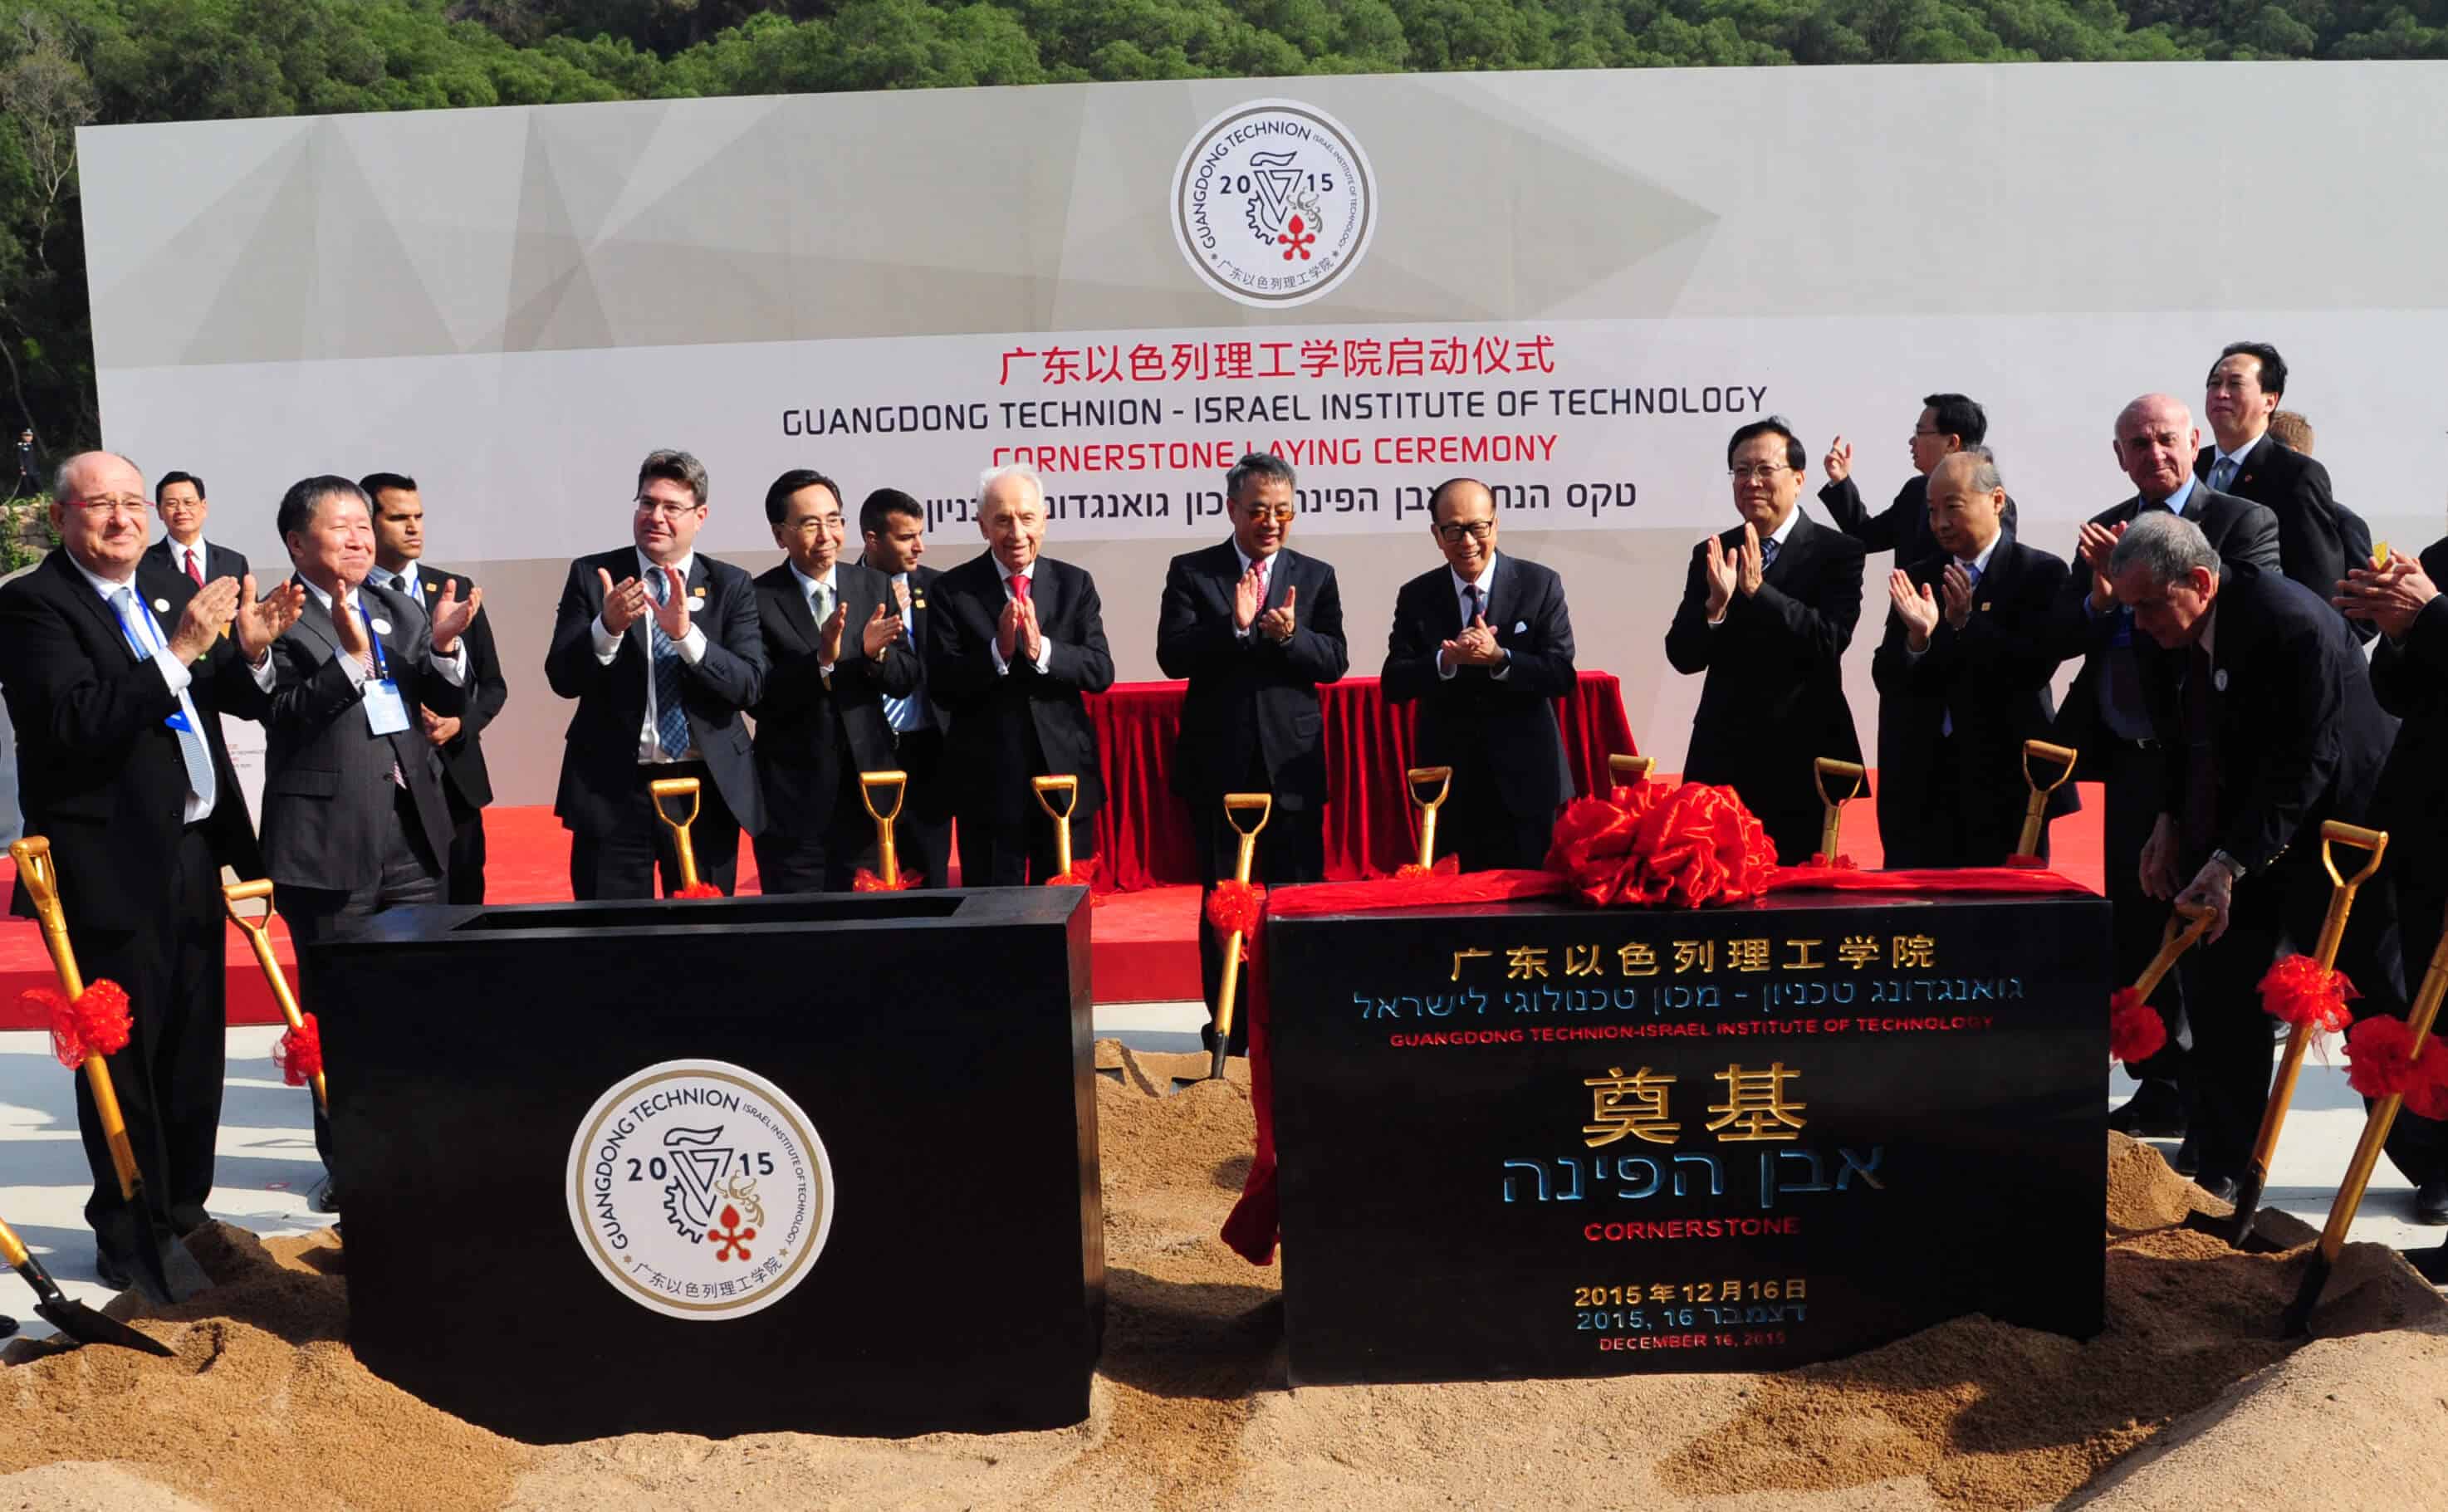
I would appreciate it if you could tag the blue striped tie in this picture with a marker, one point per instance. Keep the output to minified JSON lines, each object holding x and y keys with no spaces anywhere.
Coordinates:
{"x":902,"y":713}
{"x":192,"y":751}
{"x":671,"y":715}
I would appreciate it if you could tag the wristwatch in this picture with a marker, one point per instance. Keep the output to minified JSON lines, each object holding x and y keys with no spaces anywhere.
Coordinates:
{"x":2234,"y":867}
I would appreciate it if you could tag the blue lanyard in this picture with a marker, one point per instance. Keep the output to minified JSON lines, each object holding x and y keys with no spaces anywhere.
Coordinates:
{"x":382,"y":667}
{"x":177,"y":719}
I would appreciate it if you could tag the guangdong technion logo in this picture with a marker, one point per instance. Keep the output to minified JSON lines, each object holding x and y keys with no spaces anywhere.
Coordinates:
{"x":1273,"y":202}
{"x":699,"y":1189}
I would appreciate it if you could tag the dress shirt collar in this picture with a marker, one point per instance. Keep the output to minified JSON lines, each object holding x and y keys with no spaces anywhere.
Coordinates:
{"x":648,"y":567}
{"x":1247,"y":561}
{"x":320,"y":597}
{"x":1486,"y":582}
{"x":1004,"y":575}
{"x":2241,"y":451}
{"x":100,"y":585}
{"x":1980,"y":563}
{"x":2174,"y":503}
{"x":807,"y":586}
{"x":1785,"y":532}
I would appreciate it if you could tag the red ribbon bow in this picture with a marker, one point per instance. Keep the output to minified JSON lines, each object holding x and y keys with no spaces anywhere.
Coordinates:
{"x":1646,"y":847}
{"x":1445,"y":865}
{"x":97,"y":1023}
{"x":299,"y":1053}
{"x":698,"y":890}
{"x":2135,"y":1029}
{"x":2296,"y":990}
{"x":866,"y":881}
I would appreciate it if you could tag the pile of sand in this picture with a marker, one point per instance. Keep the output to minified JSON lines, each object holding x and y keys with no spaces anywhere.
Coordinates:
{"x":2189,"y":1398}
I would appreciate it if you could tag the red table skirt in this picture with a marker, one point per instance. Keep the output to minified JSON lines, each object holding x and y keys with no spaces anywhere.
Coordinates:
{"x":1143,"y":837}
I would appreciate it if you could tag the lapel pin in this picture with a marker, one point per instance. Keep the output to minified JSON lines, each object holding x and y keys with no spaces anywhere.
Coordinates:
{"x":2218,"y":679}
{"x":161,"y":606}
{"x":382,"y":627}
{"x":1984,"y":607}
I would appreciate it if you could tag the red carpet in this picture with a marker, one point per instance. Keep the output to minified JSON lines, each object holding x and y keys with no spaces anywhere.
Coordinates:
{"x":1145,"y":943}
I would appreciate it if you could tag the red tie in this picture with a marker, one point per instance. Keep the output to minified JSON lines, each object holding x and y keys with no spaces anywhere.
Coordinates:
{"x":196,"y":567}
{"x":1266,"y":568}
{"x":1020,"y":586}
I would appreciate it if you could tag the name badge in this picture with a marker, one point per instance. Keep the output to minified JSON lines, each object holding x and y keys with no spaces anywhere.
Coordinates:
{"x":386,"y":711}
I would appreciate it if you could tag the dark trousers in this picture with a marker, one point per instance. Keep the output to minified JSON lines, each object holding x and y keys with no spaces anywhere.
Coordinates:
{"x":1475,"y":827}
{"x":2132,"y":775}
{"x":824,"y":860}
{"x":411,"y":874}
{"x":921,"y":835}
{"x":1939,"y":824}
{"x":1794,"y":829}
{"x":1001,"y":850}
{"x":466,"y":868}
{"x":1291,"y":848}
{"x":623,"y":863}
{"x":2227,"y":1085}
{"x":168,"y":1078}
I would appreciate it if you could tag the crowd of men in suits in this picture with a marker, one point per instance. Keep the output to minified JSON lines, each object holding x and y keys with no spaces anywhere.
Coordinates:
{"x":2225,"y":700}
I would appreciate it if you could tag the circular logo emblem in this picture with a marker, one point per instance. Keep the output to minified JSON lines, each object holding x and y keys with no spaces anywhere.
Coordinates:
{"x":699,"y":1189}
{"x":1273,"y":202}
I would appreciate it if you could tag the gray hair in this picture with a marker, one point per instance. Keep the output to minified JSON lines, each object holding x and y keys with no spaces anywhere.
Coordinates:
{"x":2169,"y":546}
{"x":673,"y":467}
{"x":1256,"y":467}
{"x":1011,"y":469}
{"x":1985,"y":477}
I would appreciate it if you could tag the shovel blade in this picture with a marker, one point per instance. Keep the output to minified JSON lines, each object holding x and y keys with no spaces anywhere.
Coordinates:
{"x":1214,"y":1070}
{"x":85,"y":1326}
{"x":2237,"y":1230}
{"x":166,"y":1272}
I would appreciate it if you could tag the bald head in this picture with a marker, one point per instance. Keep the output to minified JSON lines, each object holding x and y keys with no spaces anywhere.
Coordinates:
{"x":98,"y":508}
{"x":2155,"y":442}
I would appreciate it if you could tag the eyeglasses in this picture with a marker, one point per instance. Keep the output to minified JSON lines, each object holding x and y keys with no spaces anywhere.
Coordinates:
{"x":1757,"y":473}
{"x":1919,"y":430}
{"x":1281,"y":514}
{"x":827,"y":524}
{"x":96,"y":508}
{"x":663,"y":507}
{"x":1476,"y":529}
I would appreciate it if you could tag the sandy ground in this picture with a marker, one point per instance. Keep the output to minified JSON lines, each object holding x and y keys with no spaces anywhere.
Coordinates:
{"x":2188,"y":1400}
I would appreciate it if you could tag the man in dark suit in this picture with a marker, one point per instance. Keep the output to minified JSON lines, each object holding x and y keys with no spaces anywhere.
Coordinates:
{"x":399,"y":551}
{"x":1485,"y":645}
{"x":116,"y":672}
{"x":2318,"y":537}
{"x":2107,"y":713}
{"x":661,"y":650}
{"x":2271,"y":729}
{"x":1014,"y":640}
{"x":180,"y":497}
{"x":354,"y":822}
{"x":1766,"y":613}
{"x":1255,"y":628}
{"x":893,"y":526}
{"x":1963,"y":680}
{"x":2409,"y":673}
{"x":1948,"y":423}
{"x":834,"y":648}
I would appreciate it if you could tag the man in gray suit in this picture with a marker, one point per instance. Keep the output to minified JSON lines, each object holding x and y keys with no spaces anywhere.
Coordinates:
{"x":354,"y":817}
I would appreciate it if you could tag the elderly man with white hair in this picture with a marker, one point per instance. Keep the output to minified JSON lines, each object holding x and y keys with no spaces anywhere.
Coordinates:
{"x":1013,"y":641}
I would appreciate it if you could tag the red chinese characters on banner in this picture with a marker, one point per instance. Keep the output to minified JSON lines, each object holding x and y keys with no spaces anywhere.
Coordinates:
{"x":1253,"y":362}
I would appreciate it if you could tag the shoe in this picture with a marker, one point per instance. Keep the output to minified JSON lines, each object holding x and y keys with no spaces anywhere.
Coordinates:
{"x":7,"y":1326}
{"x":112,"y":1273}
{"x":2155,"y":1111}
{"x":2431,"y":1265}
{"x":2222,"y":1187}
{"x":324,"y":1198}
{"x":2431,"y":1201}
{"x":2188,"y":1157}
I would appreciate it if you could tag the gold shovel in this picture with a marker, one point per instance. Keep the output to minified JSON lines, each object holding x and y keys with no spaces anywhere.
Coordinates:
{"x":2333,"y":928}
{"x":1235,"y":804}
{"x":2035,"y":814}
{"x":689,"y":788}
{"x":1069,"y":788}
{"x":2375,"y":1126}
{"x":165,"y":1272}
{"x":258,"y":934}
{"x":1412,"y":782}
{"x":1831,"y":828}
{"x":887,"y":859}
{"x":1628,"y":770}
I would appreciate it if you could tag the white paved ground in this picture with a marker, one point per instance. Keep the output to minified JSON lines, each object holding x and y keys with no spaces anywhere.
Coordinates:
{"x":267,"y":1164}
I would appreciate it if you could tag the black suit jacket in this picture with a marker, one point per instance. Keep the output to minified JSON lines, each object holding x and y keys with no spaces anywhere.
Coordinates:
{"x":991,"y":715}
{"x":1498,"y":731}
{"x":2298,"y":735}
{"x":1774,"y":702}
{"x":2242,"y":532}
{"x":1901,"y":527}
{"x":1251,"y":706}
{"x":2318,"y":537}
{"x":811,"y":737}
{"x":462,"y":757}
{"x":328,"y":799}
{"x":219,"y":561}
{"x":1992,"y":679}
{"x":2410,"y":679}
{"x":599,"y":763}
{"x":98,"y":772}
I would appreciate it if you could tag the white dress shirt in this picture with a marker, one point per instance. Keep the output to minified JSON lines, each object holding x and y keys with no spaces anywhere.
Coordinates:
{"x":691,"y":647}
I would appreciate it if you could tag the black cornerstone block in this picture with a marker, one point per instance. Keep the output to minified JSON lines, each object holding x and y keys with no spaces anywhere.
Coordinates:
{"x":1540,"y":1140}
{"x":810,"y":1163}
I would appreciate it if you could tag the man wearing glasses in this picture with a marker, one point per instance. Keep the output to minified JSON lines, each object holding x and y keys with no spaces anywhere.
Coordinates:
{"x":1766,"y":613}
{"x":1948,"y":423}
{"x":1485,"y":645}
{"x":117,"y":672}
{"x":1255,"y":628}
{"x":661,"y":650}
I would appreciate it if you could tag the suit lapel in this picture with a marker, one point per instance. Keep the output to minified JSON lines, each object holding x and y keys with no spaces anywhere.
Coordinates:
{"x":1504,"y":595}
{"x":796,"y":610}
{"x":316,"y":617}
{"x":1046,"y":588}
{"x":1797,"y":545}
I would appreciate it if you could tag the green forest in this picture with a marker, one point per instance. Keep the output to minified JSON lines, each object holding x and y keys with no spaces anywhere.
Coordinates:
{"x":69,"y":63}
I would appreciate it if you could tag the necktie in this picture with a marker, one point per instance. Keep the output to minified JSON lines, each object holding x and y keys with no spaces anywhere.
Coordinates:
{"x":192,"y":751}
{"x":820,"y":602}
{"x":2222,"y":473}
{"x":1020,"y":586}
{"x":1471,"y":604}
{"x":902,"y":713}
{"x":671,"y":716}
{"x":196,"y":567}
{"x":1767,"y":552}
{"x":1266,"y":573}
{"x":1971,"y":570}
{"x":374,"y":664}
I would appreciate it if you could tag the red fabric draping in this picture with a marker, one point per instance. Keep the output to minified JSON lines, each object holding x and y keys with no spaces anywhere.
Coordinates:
{"x":1143,"y":835}
{"x":1251,"y":1227}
